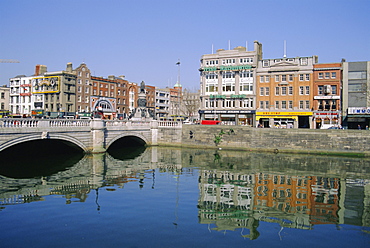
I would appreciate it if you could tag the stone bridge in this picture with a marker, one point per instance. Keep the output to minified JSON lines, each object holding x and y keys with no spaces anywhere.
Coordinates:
{"x":92,"y":136}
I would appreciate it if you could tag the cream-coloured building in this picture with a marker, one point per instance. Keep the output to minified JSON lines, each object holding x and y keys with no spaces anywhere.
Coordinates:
{"x":227,"y":80}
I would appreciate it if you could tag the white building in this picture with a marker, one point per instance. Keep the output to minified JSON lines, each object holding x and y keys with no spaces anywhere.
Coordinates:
{"x":20,"y":102}
{"x":228,"y":91}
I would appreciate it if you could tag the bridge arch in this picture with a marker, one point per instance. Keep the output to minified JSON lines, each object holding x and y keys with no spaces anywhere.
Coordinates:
{"x":127,"y":135}
{"x":34,"y":137}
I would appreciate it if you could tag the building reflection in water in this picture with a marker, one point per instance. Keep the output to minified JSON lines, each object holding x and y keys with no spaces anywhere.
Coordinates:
{"x":237,"y":190}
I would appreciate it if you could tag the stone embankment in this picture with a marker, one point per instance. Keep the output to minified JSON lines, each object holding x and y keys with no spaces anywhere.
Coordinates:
{"x":308,"y":141}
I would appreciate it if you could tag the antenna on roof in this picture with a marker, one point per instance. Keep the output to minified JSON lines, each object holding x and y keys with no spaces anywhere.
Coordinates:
{"x":212,"y":48}
{"x":284,"y":48}
{"x":246,"y":46}
{"x":229,"y":44}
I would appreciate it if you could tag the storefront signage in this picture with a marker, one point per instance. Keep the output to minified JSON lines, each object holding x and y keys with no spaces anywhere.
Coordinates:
{"x":45,"y":84}
{"x":237,"y":96}
{"x":283,"y":113}
{"x":217,"y":96}
{"x":228,"y":68}
{"x":326,"y":97}
{"x":235,"y":67}
{"x":226,"y":111}
{"x":360,"y":110}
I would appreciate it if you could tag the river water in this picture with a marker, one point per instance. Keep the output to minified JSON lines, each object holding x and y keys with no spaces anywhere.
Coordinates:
{"x":168,"y":197}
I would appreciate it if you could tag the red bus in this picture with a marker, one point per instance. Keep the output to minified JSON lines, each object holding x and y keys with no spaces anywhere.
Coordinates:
{"x":210,"y":122}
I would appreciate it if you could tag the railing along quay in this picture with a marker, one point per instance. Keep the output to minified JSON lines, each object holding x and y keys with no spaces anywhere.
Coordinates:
{"x":35,"y":123}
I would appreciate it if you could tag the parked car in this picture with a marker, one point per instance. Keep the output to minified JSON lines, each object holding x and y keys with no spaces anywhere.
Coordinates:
{"x":333,"y":127}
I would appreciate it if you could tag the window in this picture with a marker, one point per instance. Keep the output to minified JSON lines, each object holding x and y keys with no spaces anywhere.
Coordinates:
{"x":267,"y":91}
{"x":300,"y":77}
{"x":300,"y":104}
{"x":307,"y":90}
{"x":228,"y":74}
{"x":290,"y":90}
{"x":267,"y":104}
{"x":321,"y":75}
{"x":307,"y":77}
{"x":262,"y":91}
{"x":301,"y":90}
{"x":283,"y":104}
{"x":283,"y":91}
{"x":87,"y":90}
{"x":277,"y":78}
{"x":87,"y":99}
{"x":265,"y":63}
{"x":307,"y":104}
{"x":261,"y":104}
{"x":327,"y":75}
{"x":228,"y":87}
{"x":334,"y":105}
{"x":267,"y":79}
{"x":79,"y":89}
{"x":211,"y":87}
{"x":303,"y":61}
{"x":276,"y":104}
{"x":277,"y":91}
{"x":320,"y":89}
{"x":290,"y":78}
{"x":87,"y":82}
{"x":333,"y":75}
{"x":290,"y":104}
{"x":262,"y":79}
{"x":333,"y":89}
{"x":283,"y":78}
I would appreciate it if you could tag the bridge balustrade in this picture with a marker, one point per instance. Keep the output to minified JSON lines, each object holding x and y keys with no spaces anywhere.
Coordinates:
{"x":169,"y":124}
{"x":7,"y":122}
{"x":33,"y":123}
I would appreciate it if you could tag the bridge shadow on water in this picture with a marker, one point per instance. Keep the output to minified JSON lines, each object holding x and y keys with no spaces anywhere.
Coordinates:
{"x":38,"y":158}
{"x":127,"y":148}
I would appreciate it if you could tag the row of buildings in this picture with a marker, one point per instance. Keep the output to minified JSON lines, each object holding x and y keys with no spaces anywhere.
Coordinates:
{"x":239,"y":87}
{"x":77,"y":93}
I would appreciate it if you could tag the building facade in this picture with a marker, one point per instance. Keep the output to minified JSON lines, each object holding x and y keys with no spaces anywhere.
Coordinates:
{"x":285,"y":92}
{"x":162,"y":103}
{"x":83,"y":89}
{"x":356,"y":95}
{"x":227,"y":80}
{"x":327,"y":83}
{"x":4,"y":98}
{"x":20,"y":102}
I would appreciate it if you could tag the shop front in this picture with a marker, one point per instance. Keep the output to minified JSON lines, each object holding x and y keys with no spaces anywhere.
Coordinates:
{"x":324,"y":120}
{"x":229,"y":117}
{"x":281,"y":119}
{"x":357,"y":118}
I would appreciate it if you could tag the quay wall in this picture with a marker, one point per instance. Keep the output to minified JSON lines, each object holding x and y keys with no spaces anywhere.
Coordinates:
{"x":309,"y":141}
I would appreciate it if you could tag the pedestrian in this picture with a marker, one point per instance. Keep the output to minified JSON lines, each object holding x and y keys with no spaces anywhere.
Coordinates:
{"x":359,"y":127}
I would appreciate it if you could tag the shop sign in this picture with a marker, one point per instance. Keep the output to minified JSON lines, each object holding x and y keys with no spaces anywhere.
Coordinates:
{"x":228,"y":68}
{"x":326,"y":97}
{"x":283,"y":113}
{"x":217,"y":96}
{"x":237,"y":96}
{"x":360,"y":110}
{"x":226,"y":111}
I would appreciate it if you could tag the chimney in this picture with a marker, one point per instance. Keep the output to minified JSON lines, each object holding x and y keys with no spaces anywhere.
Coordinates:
{"x":69,"y":67}
{"x":40,"y":70}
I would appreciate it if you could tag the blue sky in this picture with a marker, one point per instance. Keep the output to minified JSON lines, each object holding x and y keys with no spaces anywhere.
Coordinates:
{"x":143,"y":39}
